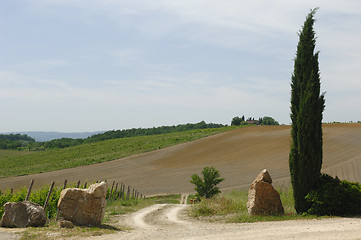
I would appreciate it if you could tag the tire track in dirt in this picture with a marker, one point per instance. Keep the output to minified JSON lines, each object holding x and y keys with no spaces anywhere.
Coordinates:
{"x":158,"y":215}
{"x":156,"y":224}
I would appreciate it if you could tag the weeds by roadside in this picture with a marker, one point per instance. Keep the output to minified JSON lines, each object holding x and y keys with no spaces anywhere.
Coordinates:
{"x":232,"y":207}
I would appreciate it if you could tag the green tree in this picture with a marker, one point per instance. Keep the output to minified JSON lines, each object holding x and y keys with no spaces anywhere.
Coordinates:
{"x":267,"y":121}
{"x":307,"y":105}
{"x":208,"y":187}
{"x":236,"y":121}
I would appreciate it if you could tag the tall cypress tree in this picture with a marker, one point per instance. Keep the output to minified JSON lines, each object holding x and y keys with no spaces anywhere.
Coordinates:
{"x":307,"y":105}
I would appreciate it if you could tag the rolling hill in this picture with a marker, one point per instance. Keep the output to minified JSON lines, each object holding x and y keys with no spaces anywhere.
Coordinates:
{"x":239,"y":155}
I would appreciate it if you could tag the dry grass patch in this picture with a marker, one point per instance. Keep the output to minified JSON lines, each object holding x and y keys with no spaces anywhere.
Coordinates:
{"x":52,"y":232}
{"x":232,"y":207}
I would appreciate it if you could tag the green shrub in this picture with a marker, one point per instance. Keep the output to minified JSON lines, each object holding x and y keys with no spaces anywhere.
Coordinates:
{"x":208,"y":187}
{"x":335,"y":197}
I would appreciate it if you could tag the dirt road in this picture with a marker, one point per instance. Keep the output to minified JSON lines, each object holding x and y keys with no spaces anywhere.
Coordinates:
{"x":169,"y":221}
{"x":9,"y":234}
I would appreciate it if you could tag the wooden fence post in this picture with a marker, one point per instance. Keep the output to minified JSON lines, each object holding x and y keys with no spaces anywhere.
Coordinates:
{"x":111,"y":190}
{"x":29,"y":190}
{"x":120,"y":192}
{"x":49,"y":193}
{"x":128,"y":193}
{"x":123,"y":191}
{"x":114,"y":196}
{"x":65,"y":182}
{"x":57,"y":210}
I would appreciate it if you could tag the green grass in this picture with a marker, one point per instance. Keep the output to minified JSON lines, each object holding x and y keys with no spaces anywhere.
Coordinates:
{"x":232,"y":207}
{"x":17,"y":163}
{"x":5,"y":154}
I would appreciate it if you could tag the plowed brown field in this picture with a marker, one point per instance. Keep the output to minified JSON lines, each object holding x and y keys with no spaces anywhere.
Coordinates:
{"x":239,"y":155}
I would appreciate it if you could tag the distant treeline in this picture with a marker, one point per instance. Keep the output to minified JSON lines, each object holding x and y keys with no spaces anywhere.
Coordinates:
{"x":24,"y":142}
{"x":236,"y":121}
{"x":15,"y":141}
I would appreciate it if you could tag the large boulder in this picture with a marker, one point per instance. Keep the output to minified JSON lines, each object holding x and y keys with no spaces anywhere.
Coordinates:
{"x":23,"y":214}
{"x":263,"y":199}
{"x":83,"y":206}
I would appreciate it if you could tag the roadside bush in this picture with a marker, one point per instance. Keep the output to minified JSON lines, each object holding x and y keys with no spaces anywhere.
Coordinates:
{"x":207,"y":188}
{"x":335,"y":197}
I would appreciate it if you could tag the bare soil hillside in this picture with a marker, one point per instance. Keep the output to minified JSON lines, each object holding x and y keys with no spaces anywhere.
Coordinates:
{"x":239,"y":155}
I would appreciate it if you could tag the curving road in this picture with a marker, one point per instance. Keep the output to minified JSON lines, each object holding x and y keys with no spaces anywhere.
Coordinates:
{"x":169,"y":221}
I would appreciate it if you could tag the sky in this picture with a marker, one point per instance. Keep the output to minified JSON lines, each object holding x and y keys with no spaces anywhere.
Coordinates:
{"x":94,"y":65}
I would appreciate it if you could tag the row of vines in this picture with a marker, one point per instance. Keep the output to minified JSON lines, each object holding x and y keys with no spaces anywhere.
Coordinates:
{"x":39,"y":196}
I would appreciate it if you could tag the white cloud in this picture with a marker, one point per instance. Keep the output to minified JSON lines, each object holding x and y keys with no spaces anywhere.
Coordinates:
{"x":177,"y":61}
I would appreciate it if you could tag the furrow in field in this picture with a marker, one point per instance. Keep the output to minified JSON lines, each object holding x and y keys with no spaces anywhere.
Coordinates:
{"x":239,"y":155}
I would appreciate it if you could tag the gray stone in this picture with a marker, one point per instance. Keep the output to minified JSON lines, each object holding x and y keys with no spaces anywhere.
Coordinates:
{"x":23,"y":214}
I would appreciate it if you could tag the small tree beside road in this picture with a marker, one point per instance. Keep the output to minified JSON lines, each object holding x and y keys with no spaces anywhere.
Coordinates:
{"x":207,"y":187}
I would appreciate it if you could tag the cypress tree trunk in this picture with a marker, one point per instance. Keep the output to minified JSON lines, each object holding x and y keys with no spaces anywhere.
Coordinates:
{"x":307,"y":105}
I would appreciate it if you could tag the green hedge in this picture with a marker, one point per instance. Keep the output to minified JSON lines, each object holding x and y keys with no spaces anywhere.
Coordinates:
{"x":335,"y":197}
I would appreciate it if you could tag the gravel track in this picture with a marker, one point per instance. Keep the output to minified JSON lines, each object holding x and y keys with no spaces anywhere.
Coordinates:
{"x":169,"y":221}
{"x":8,"y":234}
